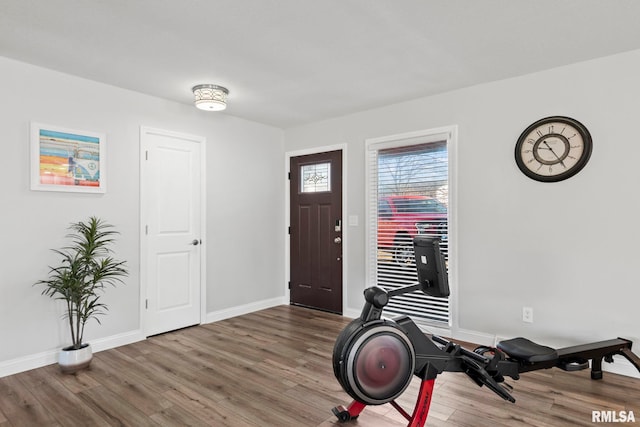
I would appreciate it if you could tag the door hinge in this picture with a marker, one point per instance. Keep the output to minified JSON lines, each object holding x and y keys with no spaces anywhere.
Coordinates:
{"x":289,"y":176}
{"x":146,"y":230}
{"x":146,"y":154}
{"x":289,"y":231}
{"x":146,"y":304}
{"x":289,"y":284}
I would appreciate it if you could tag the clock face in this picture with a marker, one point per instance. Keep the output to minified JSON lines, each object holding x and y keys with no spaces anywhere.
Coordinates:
{"x":553,"y":149}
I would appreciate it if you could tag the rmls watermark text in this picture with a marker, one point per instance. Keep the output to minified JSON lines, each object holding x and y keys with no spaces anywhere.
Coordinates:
{"x":613,"y":417}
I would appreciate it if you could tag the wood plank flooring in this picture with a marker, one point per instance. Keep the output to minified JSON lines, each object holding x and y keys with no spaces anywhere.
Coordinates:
{"x":273,"y":368}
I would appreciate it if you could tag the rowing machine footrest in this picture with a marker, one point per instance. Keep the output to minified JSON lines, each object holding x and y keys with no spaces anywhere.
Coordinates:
{"x":527,"y":351}
{"x":573,"y":365}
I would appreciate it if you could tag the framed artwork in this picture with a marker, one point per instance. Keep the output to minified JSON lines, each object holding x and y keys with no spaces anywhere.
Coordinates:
{"x":67,"y":160}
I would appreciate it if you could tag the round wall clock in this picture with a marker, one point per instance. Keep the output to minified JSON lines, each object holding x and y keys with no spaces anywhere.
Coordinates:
{"x":553,"y":149}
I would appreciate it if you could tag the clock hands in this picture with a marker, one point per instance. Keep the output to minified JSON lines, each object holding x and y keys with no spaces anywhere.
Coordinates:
{"x":554,"y":153}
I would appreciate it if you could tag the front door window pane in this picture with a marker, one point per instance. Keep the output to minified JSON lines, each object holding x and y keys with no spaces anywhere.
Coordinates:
{"x":316,"y":177}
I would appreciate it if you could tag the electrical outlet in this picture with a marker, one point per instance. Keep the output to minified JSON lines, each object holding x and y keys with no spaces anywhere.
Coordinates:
{"x":527,"y":314}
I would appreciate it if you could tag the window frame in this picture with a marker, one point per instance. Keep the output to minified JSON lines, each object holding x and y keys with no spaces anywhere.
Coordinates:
{"x":373,"y":145}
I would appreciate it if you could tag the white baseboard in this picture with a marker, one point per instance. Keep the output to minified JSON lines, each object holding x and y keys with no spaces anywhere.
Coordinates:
{"x":228,"y":313}
{"x":475,"y":337}
{"x":117,"y":340}
{"x":38,"y":360}
{"x":33,"y":361}
{"x":351,"y":313}
{"x":621,"y":366}
{"x":25,"y":363}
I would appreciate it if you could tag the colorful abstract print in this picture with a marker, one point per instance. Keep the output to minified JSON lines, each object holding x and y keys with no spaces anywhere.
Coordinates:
{"x":69,"y":159}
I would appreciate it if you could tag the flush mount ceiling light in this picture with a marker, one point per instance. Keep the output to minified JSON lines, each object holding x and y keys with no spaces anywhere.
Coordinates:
{"x":210,"y":97}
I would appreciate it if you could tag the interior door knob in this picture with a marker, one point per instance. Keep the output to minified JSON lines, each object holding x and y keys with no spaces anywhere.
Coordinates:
{"x":195,"y":242}
{"x":337,"y":240}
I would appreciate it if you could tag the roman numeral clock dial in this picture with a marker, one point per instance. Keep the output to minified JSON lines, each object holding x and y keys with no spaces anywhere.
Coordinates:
{"x":553,"y":149}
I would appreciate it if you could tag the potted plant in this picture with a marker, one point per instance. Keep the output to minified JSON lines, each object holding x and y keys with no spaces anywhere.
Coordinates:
{"x":87,"y":267}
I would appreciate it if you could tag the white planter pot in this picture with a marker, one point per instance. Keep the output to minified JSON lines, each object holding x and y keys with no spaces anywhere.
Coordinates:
{"x":71,"y":360}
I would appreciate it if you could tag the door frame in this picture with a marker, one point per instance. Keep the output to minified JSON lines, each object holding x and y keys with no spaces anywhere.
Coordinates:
{"x":287,"y":217}
{"x":144,"y":214}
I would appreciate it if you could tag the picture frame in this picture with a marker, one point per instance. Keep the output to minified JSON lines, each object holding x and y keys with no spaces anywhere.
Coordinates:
{"x":67,"y":160}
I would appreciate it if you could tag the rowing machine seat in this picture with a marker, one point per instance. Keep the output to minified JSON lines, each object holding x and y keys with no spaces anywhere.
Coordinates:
{"x":527,"y":351}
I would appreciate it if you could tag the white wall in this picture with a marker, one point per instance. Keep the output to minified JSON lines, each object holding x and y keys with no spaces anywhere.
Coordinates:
{"x":244,"y":174}
{"x":567,"y":249}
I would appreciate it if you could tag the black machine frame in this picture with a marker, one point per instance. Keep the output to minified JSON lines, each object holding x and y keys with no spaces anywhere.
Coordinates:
{"x":374,"y":359}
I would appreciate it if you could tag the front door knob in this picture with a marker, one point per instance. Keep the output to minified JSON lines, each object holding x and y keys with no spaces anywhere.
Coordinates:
{"x":337,"y":240}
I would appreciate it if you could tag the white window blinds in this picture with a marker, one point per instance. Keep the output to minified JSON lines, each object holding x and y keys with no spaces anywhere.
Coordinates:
{"x":408,"y":195}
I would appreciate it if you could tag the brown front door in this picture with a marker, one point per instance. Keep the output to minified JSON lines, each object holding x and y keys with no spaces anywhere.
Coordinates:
{"x":316,"y":231}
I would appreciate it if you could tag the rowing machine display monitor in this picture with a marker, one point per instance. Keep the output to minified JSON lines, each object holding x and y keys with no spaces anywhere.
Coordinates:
{"x":431,"y":266}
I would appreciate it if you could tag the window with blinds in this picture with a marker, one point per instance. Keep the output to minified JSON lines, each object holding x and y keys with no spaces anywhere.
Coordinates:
{"x":408,"y":195}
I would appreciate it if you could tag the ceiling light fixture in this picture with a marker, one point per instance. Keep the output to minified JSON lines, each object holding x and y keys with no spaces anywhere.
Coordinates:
{"x":210,"y":97}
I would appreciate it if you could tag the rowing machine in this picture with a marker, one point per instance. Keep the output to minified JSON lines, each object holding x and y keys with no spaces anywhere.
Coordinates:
{"x":374,"y":359}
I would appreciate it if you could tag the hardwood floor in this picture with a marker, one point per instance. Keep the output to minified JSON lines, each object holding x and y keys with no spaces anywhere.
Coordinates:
{"x":273,"y":368}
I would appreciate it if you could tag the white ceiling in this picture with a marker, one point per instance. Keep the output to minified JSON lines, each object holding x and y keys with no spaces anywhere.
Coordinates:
{"x":288,"y":62}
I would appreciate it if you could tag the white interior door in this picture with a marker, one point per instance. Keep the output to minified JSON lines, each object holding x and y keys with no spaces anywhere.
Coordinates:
{"x":171,"y":213}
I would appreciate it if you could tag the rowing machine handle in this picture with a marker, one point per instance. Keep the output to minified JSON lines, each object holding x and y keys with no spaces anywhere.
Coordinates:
{"x":377,"y":298}
{"x":473,"y":365}
{"x":481,"y":377}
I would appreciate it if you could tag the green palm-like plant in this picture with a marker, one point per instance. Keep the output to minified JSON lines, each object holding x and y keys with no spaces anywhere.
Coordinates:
{"x":87,"y":267}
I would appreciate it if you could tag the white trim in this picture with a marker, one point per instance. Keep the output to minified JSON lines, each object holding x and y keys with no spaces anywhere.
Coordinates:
{"x":203,"y":230}
{"x":228,"y":313}
{"x":351,"y":313}
{"x":433,"y":329}
{"x":621,"y":366}
{"x":117,"y":340}
{"x":424,"y":136}
{"x":345,"y":225}
{"x":146,"y":130}
{"x":38,"y":360}
{"x":476,"y":337}
{"x":452,"y":150}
